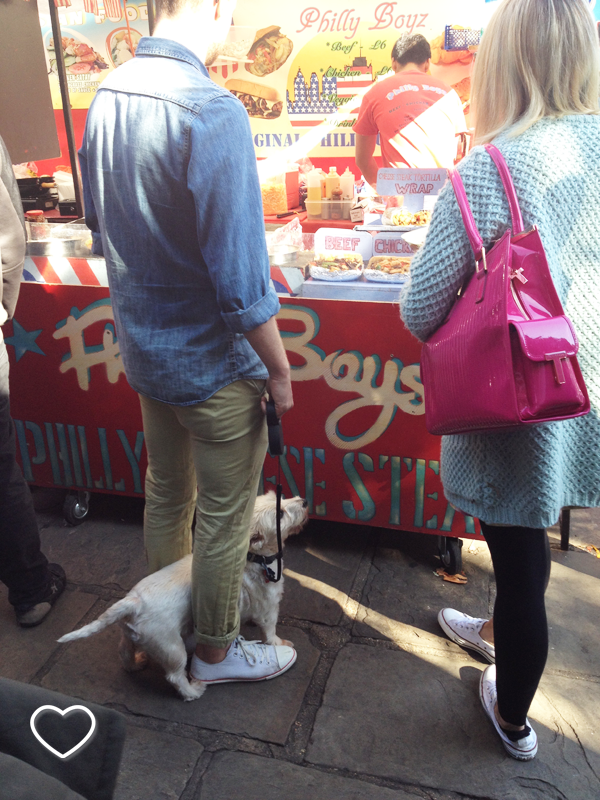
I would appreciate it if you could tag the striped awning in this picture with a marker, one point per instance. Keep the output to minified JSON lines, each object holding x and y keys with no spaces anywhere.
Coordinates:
{"x":112,"y":8}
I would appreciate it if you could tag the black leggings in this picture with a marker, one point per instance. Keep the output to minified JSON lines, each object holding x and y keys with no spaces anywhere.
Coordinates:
{"x":521,"y":559}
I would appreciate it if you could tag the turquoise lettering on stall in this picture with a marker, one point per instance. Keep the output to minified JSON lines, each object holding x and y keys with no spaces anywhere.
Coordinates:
{"x":368,"y":510}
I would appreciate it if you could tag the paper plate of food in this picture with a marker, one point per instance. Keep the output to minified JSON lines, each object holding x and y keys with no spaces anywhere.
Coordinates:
{"x":387,"y":269}
{"x":341,"y":267}
{"x":119,"y":46}
{"x":416,"y":238}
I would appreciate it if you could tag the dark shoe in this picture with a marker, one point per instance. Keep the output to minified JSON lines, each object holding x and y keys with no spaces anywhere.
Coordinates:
{"x":32,"y":616}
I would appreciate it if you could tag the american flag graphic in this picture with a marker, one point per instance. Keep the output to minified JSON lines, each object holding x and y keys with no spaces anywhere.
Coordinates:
{"x":225,"y":70}
{"x":312,"y":103}
{"x":62,"y":3}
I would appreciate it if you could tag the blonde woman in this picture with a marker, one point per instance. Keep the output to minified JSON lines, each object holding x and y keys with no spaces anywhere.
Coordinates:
{"x":535,"y":96}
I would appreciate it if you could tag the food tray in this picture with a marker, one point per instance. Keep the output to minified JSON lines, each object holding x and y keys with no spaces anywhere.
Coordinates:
{"x":377,"y":276}
{"x":324,"y":273}
{"x":321,"y":274}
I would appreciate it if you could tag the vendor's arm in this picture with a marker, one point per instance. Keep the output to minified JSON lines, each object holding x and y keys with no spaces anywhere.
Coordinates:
{"x":231,"y":234}
{"x":365,"y":159}
{"x":440,"y":267}
{"x":12,"y":243}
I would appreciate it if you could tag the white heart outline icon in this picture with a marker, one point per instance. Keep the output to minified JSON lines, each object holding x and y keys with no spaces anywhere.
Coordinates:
{"x":62,"y":713}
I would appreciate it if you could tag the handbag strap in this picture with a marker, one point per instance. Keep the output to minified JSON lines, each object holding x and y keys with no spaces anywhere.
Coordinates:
{"x":467,"y":215}
{"x":465,"y":209}
{"x":509,"y":188}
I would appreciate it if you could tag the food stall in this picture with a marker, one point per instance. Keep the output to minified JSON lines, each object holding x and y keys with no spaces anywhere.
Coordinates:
{"x":356,"y":443}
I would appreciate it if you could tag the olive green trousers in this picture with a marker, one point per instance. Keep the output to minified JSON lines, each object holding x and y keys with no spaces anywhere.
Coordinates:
{"x":208,"y":457}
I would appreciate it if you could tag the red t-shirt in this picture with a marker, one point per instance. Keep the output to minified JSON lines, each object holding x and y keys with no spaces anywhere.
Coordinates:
{"x":417,"y":117}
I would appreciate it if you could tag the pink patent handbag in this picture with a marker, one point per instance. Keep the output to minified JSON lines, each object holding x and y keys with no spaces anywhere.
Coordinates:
{"x":506,"y":356}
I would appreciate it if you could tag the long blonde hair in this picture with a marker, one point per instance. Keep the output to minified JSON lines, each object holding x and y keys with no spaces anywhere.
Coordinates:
{"x":537,"y":58}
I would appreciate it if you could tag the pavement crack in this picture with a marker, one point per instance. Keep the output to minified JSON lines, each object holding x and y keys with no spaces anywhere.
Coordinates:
{"x":548,"y":790}
{"x":571,"y":727}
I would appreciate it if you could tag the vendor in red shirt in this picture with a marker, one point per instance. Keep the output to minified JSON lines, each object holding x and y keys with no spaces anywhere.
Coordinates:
{"x":416,"y":116}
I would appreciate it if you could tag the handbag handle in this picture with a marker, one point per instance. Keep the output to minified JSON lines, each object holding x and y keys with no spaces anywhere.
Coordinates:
{"x":467,"y":215}
{"x":509,"y":188}
{"x":465,"y":209}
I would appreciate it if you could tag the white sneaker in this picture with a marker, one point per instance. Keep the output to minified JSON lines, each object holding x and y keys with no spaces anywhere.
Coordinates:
{"x":245,"y":661}
{"x":523,"y":749}
{"x":464,"y":630}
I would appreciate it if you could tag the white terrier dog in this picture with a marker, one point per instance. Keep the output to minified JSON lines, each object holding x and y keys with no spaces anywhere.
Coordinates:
{"x":156,"y":615}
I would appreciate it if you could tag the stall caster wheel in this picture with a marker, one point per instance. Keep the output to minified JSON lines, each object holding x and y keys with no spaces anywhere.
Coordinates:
{"x":76,"y":507}
{"x":450,"y":554}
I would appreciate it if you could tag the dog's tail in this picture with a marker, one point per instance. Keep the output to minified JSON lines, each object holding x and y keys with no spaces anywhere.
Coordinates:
{"x":123,"y":608}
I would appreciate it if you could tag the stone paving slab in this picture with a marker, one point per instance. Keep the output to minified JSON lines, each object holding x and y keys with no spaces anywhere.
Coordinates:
{"x":402,"y":595}
{"x":423,"y":725}
{"x":107,"y":549}
{"x":24,"y":651}
{"x":155,"y":765}
{"x":233,"y":775}
{"x":91,"y":669}
{"x":321,"y":564}
{"x":573,"y":609}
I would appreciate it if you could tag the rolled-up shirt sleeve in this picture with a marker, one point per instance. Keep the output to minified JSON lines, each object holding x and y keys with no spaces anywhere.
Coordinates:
{"x":229,"y":217}
{"x":91,"y":215}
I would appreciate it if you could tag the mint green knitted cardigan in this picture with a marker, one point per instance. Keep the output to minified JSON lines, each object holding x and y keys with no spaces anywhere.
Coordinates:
{"x":524,"y":477}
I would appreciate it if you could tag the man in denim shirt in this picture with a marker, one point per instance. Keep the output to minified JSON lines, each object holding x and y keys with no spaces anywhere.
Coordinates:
{"x":171,"y":186}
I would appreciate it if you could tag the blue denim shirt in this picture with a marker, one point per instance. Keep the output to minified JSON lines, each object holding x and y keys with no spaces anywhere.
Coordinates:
{"x":170,"y":183}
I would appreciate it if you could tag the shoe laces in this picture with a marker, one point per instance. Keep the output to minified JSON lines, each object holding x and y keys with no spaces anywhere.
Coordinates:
{"x":254,"y":652}
{"x":472,"y":625}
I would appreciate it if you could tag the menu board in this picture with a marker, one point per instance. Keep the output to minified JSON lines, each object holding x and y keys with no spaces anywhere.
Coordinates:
{"x":93,"y":46}
{"x":300,"y":69}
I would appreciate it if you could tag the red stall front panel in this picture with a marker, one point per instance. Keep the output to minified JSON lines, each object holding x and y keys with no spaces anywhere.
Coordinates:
{"x":357,"y":446}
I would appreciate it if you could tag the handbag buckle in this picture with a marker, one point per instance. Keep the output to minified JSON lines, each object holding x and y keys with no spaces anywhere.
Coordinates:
{"x":557,"y":359}
{"x":477,"y":270}
{"x":481,"y":274}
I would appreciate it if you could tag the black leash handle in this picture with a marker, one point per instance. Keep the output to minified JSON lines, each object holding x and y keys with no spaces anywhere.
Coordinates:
{"x":275,"y":449}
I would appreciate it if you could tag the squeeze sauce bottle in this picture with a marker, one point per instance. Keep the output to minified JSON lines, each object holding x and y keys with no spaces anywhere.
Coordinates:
{"x":313,"y":194}
{"x":332,"y":182}
{"x":347,"y":187}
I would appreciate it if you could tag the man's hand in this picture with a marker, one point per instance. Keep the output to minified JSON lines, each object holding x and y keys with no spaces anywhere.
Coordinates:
{"x":280,"y":390}
{"x":267,"y":343}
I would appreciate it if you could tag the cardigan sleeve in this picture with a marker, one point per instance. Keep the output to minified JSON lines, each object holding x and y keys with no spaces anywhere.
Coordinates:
{"x":446,"y":259}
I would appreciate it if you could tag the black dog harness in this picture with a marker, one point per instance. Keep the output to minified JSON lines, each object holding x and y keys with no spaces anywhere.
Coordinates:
{"x":275,"y":449}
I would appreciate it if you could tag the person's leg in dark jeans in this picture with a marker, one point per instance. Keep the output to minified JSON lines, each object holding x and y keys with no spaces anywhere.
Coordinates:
{"x":24,"y":569}
{"x":521,"y":559}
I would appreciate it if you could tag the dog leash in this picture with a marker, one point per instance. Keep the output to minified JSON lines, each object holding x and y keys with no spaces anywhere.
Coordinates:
{"x":275,"y":449}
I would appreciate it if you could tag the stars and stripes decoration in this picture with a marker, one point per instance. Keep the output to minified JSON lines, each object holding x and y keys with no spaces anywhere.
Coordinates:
{"x":225,"y":70}
{"x":66,"y":271}
{"x":311,"y":103}
{"x":112,"y":8}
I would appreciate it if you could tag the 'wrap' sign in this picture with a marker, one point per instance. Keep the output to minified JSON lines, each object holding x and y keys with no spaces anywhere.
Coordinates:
{"x":412,"y":184}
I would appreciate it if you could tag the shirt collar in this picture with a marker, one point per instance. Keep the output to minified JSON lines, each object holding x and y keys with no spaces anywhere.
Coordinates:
{"x":169,"y":48}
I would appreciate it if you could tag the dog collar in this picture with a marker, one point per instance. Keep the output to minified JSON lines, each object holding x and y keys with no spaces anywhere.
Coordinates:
{"x":264,"y":561}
